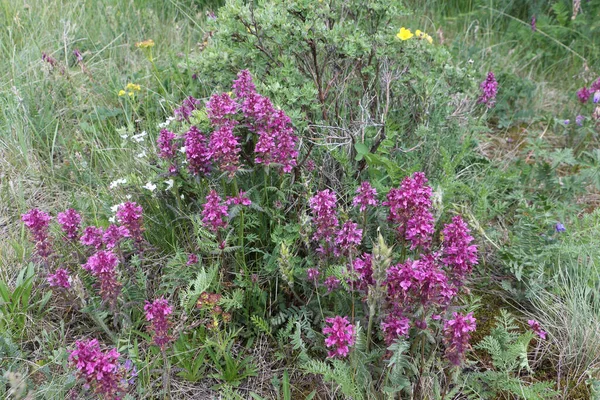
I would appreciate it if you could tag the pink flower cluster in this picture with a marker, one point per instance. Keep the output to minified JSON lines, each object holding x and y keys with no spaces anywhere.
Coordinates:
{"x":457,"y":336}
{"x":103,"y":266}
{"x":366,"y":195}
{"x":166,"y":144}
{"x":184,"y":112}
{"x":38,"y":223}
{"x":240,"y":199}
{"x":410,"y":209}
{"x":458,"y":252}
{"x":100,"y":369}
{"x":157,"y":313}
{"x":114,"y":234}
{"x":340,"y":335}
{"x":535,"y":327}
{"x":129,"y":215}
{"x":92,"y":236}
{"x":225,"y":147}
{"x":394,"y":325}
{"x":363,"y":268}
{"x":70,"y":223}
{"x":197,"y":152}
{"x":489,"y":90}
{"x":214,"y":212}
{"x":60,"y":279}
{"x":348,"y":237}
{"x":323,"y":206}
{"x":584,"y":94}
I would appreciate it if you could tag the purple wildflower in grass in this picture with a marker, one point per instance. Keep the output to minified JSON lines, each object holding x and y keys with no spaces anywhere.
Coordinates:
{"x":533,"y":24}
{"x":214,"y":212}
{"x":166,"y":144}
{"x":489,"y":90}
{"x":49,"y":59}
{"x":458,"y":253}
{"x":219,"y":107}
{"x":37,"y":222}
{"x":394,"y":325}
{"x":410,"y":209}
{"x":113,"y":235}
{"x":197,"y":152}
{"x":313,"y":274}
{"x":99,"y":369}
{"x":457,"y":336}
{"x":184,"y":112}
{"x":78,"y":55}
{"x":130,"y":372}
{"x":60,"y":279}
{"x":560,"y":227}
{"x":323,"y":206}
{"x":363,"y":268}
{"x":243,"y":85}
{"x":332,"y":283}
{"x":340,"y":336}
{"x":366,"y":195}
{"x":103,"y":266}
{"x":92,"y":236}
{"x":348,"y":237}
{"x":192,"y":259}
{"x":535,"y":327}
{"x":70,"y":222}
{"x":225,"y":148}
{"x":579,"y":120}
{"x":240,"y":199}
{"x":583,"y":94}
{"x":597,"y":96}
{"x":157,"y":313}
{"x":595,"y":87}
{"x":567,"y":121}
{"x":310,"y":165}
{"x":129,"y":215}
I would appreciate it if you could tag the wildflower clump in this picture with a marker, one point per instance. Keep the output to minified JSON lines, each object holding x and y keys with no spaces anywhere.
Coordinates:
{"x":157,"y":313}
{"x":458,"y":253}
{"x":70,"y":221}
{"x":99,"y":369}
{"x":60,"y":279}
{"x":214,"y":212}
{"x":103,"y":266}
{"x":37,"y":222}
{"x":323,"y":206}
{"x":489,"y":90}
{"x":92,"y":236}
{"x":129,"y":215}
{"x":340,"y":336}
{"x":457,"y":336}
{"x":536,"y":328}
{"x":366,"y":195}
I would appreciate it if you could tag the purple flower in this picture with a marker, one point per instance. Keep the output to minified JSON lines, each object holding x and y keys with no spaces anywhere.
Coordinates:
{"x":225,"y":148}
{"x":78,"y":55}
{"x":184,"y":112}
{"x":114,"y":234}
{"x":219,"y":107}
{"x":214,"y":212}
{"x":458,"y":253}
{"x":363,"y":267}
{"x":332,"y":283}
{"x":92,"y":236}
{"x":560,"y":227}
{"x":489,"y":90}
{"x":38,"y":222}
{"x":312,"y":274}
{"x":393,"y":326}
{"x":409,"y":208}
{"x":192,"y":259}
{"x":366,"y":195}
{"x":103,"y":266}
{"x":349,"y":236}
{"x":99,"y":369}
{"x":595,"y":86}
{"x":323,"y":206}
{"x":60,"y":279}
{"x":70,"y":222}
{"x":166,"y":144}
{"x":158,"y":313}
{"x":243,"y":86}
{"x":583,"y":94}
{"x":197,"y":152}
{"x":129,"y":215}
{"x":535,"y":327}
{"x":597,"y":96}
{"x":456,"y":336}
{"x":240,"y":199}
{"x":340,"y":336}
{"x":533,"y":24}
{"x":49,"y":59}
{"x":579,"y":120}
{"x":567,"y":121}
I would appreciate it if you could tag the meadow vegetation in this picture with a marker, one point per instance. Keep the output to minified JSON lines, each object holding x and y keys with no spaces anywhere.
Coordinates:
{"x":299,"y":199}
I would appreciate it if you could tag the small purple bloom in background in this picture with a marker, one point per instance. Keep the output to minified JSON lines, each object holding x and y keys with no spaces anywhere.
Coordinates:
{"x":92,"y":236}
{"x":567,"y":121}
{"x":192,"y":259}
{"x":240,"y":199}
{"x":157,"y":313}
{"x":69,"y":221}
{"x":214,"y":212}
{"x":38,"y":222}
{"x":535,"y":326}
{"x":323,"y":206}
{"x":129,"y":215}
{"x":340,"y":336}
{"x":166,"y":144}
{"x":533,"y":25}
{"x":312,"y":273}
{"x":595,"y":86}
{"x":395,"y":325}
{"x":131,"y":371}
{"x":60,"y":278}
{"x":310,"y":165}
{"x":103,"y":265}
{"x":349,"y":236}
{"x":489,"y":90}
{"x":78,"y":55}
{"x":366,"y":195}
{"x":579,"y":120}
{"x":49,"y":59}
{"x":456,"y":336}
{"x":332,"y":283}
{"x":114,"y":234}
{"x":184,"y":112}
{"x":597,"y":96}
{"x":583,"y":94}
{"x":560,"y":227}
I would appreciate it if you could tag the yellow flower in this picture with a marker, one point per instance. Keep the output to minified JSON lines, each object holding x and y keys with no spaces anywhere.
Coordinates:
{"x":145,"y":44}
{"x":428,"y":38}
{"x":121,"y":93}
{"x":131,"y":94}
{"x":404,"y":34}
{"x":133,"y":87}
{"x":418,"y":33}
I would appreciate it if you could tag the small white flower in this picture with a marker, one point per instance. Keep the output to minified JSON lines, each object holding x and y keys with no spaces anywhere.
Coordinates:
{"x":124,"y":136}
{"x":150,"y":186}
{"x":166,"y":123}
{"x":471,"y":61}
{"x":142,"y":154}
{"x":139,"y":137}
{"x":182,"y":150}
{"x":182,"y":197}
{"x":112,"y":220}
{"x":115,"y":208}
{"x":115,"y":183}
{"x":169,"y":183}
{"x":128,"y":197}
